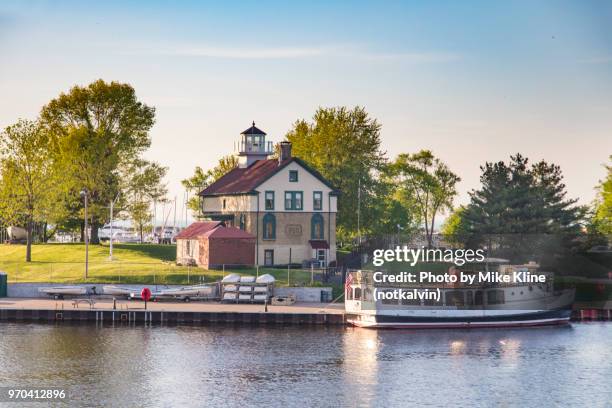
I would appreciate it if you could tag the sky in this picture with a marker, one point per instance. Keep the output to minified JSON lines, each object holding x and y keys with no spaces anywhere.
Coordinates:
{"x":473,"y":81}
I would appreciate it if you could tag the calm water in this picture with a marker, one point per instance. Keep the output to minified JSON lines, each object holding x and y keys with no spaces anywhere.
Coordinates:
{"x":247,"y":366}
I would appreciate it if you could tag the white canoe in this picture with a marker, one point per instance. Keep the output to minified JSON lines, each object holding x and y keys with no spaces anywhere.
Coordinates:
{"x":266,"y":278}
{"x":64,"y":290}
{"x":232,"y":277}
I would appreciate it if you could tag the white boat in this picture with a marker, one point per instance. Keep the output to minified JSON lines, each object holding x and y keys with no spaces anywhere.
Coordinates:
{"x":231,"y":278}
{"x":266,"y":278}
{"x":459,"y":306}
{"x":186,"y":292}
{"x":61,"y":291}
{"x":118,"y":290}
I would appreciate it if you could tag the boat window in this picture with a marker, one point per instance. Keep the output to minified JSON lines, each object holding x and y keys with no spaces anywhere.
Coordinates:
{"x":367,"y":295}
{"x":495,"y":297}
{"x":454,"y":298}
{"x":469,"y":298}
{"x":478,"y":298}
{"x":430,"y":302}
{"x":357,"y":293}
{"x":391,"y":301}
{"x":411,"y":302}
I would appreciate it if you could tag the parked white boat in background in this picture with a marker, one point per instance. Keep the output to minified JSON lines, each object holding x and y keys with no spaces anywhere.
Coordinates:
{"x":118,"y":290}
{"x":60,"y":291}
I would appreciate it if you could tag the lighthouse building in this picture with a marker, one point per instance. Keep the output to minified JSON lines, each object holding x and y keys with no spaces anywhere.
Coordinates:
{"x":287,"y":205}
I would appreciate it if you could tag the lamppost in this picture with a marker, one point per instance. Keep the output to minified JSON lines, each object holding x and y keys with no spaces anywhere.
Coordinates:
{"x":85,"y":194}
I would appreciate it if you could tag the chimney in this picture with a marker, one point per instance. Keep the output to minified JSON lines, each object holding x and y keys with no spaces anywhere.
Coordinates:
{"x":285,"y":151}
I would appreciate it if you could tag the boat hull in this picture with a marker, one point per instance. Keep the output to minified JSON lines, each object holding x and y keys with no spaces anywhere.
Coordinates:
{"x":523,"y":319}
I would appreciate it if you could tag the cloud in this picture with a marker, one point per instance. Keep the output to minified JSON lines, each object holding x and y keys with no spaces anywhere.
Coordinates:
{"x":293,"y":52}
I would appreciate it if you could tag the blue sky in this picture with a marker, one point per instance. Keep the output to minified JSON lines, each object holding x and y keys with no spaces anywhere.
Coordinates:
{"x":473,"y":81}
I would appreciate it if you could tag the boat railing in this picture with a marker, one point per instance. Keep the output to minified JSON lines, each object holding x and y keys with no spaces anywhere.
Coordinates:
{"x":366,"y":277}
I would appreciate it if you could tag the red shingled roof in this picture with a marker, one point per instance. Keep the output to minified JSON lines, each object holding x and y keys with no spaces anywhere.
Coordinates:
{"x":245,"y":180}
{"x":197,"y":229}
{"x":228,"y":232}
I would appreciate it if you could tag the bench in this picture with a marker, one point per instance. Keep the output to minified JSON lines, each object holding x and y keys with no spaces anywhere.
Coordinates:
{"x":76,"y":302}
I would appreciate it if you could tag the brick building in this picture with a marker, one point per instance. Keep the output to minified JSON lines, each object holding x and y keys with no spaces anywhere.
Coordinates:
{"x":212,"y":244}
{"x":287,"y":205}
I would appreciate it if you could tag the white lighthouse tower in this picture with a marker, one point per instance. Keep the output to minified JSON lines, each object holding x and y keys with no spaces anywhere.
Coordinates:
{"x":253,"y":146}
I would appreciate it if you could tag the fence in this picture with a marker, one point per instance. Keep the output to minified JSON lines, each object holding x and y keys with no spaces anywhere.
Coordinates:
{"x":162,"y":273}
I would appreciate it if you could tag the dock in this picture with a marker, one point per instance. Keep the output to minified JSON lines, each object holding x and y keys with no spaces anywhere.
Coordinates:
{"x":104,"y":310}
{"x":200,"y":313}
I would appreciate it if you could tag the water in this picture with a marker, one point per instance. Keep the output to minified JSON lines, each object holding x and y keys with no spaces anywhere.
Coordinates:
{"x":298,"y":366}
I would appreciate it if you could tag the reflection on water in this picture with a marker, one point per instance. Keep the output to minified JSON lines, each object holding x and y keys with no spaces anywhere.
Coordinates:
{"x":290,"y":366}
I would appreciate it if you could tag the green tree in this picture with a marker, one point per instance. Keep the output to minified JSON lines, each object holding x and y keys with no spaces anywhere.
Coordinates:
{"x":202,"y":179}
{"x":144,"y":186}
{"x":603,"y":204}
{"x":521,"y":211}
{"x":344,"y":146}
{"x":25,"y":172}
{"x":429,"y":183}
{"x":454,"y":230}
{"x":97,"y":130}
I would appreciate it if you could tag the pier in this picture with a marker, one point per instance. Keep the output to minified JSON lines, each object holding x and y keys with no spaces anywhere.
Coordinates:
{"x":49,"y":310}
{"x":206,"y":313}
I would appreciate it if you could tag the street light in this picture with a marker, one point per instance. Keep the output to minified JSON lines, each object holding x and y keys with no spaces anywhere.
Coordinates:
{"x":85,"y":194}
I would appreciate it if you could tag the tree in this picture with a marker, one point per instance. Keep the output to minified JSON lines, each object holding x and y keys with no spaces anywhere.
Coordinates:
{"x":344,"y":146}
{"x":25,"y":171}
{"x":430,"y":183}
{"x":454,"y":230}
{"x":145,"y":185}
{"x":97,"y":130}
{"x":202,"y":179}
{"x":521,"y":211}
{"x":603,"y":204}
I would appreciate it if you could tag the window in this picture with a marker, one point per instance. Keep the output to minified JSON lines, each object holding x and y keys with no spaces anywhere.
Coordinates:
{"x":293,"y":200}
{"x":478,"y":298}
{"x":293,"y":176}
{"x":454,"y":298}
{"x":269,"y":226}
{"x":317,"y":201}
{"x":242,"y":222}
{"x":316,"y":227}
{"x":495,"y":297}
{"x":224,"y":204}
{"x":269,"y":201}
{"x":410,"y":302}
{"x":268,"y":257}
{"x":390,"y":300}
{"x":188,"y":247}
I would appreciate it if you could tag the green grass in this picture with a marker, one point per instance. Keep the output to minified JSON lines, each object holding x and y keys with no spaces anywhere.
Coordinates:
{"x":132,"y":263}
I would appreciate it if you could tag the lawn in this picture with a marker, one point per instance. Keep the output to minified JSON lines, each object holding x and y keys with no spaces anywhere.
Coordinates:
{"x":132,"y":263}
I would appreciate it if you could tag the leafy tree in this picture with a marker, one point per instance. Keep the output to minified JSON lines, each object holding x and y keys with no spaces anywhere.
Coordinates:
{"x":25,"y":172}
{"x":603,"y":205}
{"x":344,"y":146}
{"x":202,"y":179}
{"x":429,"y":183}
{"x":454,"y":230}
{"x":145,"y":185}
{"x":97,"y":130}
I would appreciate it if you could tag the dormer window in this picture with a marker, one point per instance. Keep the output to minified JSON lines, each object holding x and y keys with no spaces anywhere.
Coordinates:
{"x":293,"y":176}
